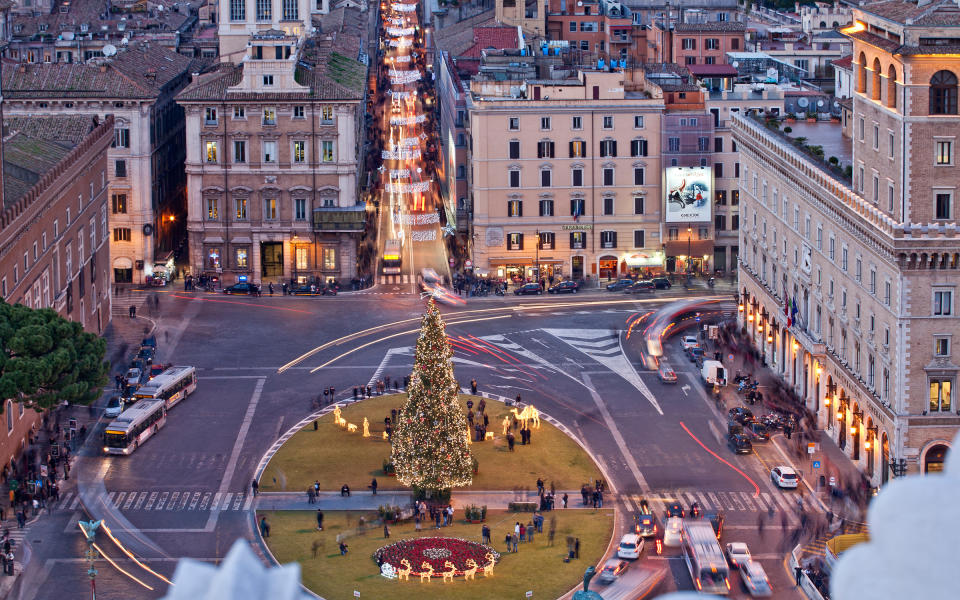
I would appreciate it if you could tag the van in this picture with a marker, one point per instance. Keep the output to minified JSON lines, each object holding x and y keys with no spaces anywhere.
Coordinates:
{"x":713,"y":373}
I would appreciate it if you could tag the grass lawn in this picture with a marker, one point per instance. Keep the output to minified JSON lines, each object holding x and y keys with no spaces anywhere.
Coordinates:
{"x":537,"y":566}
{"x":334,"y":457}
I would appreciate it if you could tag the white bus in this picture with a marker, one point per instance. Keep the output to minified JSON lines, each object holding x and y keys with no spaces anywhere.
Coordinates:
{"x":705,"y":560}
{"x":171,"y":386}
{"x":134,"y":426}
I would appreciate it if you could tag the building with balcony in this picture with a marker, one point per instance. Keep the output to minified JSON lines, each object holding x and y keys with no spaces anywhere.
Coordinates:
{"x":849,"y":287}
{"x":598,"y":29}
{"x":145,"y":172}
{"x":694,"y":43}
{"x":54,"y":238}
{"x":272,"y":155}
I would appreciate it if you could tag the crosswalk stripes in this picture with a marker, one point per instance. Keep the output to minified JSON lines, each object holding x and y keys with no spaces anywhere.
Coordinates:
{"x":157,"y":501}
{"x":395,"y":279}
{"x":728,"y":501}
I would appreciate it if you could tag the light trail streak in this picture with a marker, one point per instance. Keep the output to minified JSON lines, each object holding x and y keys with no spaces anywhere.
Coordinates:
{"x":131,"y":556}
{"x":721,"y":459}
{"x":297,"y":310}
{"x":516,"y":360}
{"x":119,"y":568}
{"x":377,"y":341}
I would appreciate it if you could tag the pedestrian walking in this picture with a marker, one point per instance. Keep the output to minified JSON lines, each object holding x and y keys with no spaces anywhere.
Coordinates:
{"x":485,"y":534}
{"x":386,"y":531}
{"x":319,"y":520}
{"x":508,"y":539}
{"x":255,"y":487}
{"x":311,"y":495}
{"x":530,"y":531}
{"x":264,"y":527}
{"x":473,"y":387}
{"x":799,"y":573}
{"x":576,"y":548}
{"x":21,"y":519}
{"x":417,"y":521}
{"x":373,"y":486}
{"x":515,"y":543}
{"x":539,"y":486}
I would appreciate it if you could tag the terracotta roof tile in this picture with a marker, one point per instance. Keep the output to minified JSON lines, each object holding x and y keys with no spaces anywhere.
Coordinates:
{"x":499,"y":38}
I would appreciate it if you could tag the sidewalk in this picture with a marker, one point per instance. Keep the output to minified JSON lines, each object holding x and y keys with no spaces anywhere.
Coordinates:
{"x":365,"y":500}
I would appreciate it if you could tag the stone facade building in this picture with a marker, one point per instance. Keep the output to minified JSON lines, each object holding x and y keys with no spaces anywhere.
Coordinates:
{"x":849,"y":288}
{"x":272,"y":156}
{"x":145,"y":173}
{"x":54,"y":238}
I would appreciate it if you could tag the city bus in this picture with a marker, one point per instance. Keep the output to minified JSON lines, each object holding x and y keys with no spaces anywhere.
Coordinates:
{"x":134,"y":426}
{"x":705,"y":560}
{"x":171,"y":386}
{"x":392,"y":256}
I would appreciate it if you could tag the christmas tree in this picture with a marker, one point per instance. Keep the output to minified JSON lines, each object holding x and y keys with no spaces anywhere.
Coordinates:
{"x":429,"y":446}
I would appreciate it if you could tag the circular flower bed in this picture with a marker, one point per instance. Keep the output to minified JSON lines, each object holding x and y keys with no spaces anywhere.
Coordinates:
{"x":435,"y":551}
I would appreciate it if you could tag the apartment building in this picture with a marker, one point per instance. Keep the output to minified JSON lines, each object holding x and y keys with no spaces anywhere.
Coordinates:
{"x":241,"y":19}
{"x":690,"y":11}
{"x":600,"y":29}
{"x":849,"y":287}
{"x":54,"y":240}
{"x":273,"y":156}
{"x":565,"y":175}
{"x":694,"y":43}
{"x":145,"y":174}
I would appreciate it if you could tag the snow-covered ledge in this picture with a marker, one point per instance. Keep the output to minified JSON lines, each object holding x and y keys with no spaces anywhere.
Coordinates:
{"x":240,"y":575}
{"x":914,"y":541}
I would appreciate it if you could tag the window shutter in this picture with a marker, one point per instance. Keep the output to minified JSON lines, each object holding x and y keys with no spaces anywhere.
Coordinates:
{"x":521,"y":242}
{"x":613,"y":151}
{"x":552,"y":149}
{"x":614,"y":238}
{"x":571,"y":149}
{"x":519,"y":208}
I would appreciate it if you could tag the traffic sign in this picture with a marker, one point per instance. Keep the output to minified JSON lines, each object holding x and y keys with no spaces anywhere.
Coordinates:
{"x":833,"y":481}
{"x":468,"y":264}
{"x":453,"y":261}
{"x":811,"y":447}
{"x":816,"y":464}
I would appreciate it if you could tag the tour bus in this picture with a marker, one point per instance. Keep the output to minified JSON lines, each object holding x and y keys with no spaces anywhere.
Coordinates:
{"x":134,"y":426}
{"x":171,"y":386}
{"x":705,"y":560}
{"x":392,"y":256}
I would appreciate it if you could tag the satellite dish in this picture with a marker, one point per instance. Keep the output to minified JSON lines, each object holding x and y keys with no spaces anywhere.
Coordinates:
{"x":580,"y":3}
{"x":803,"y":102}
{"x":735,"y":64}
{"x":820,"y":103}
{"x":68,"y":35}
{"x":109,"y":50}
{"x":836,"y":105}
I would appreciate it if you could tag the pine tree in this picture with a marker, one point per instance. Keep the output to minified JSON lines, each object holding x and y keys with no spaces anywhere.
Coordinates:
{"x":429,"y":447}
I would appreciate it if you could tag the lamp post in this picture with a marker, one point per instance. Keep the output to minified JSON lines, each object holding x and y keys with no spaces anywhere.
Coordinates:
{"x":89,"y":529}
{"x":898,"y":466}
{"x":538,"y":256}
{"x":689,"y":256}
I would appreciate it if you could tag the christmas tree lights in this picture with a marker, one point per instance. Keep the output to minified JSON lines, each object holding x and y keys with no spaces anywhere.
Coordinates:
{"x":429,"y":449}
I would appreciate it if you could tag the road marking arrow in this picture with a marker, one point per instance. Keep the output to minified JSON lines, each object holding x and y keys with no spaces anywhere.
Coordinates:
{"x":685,"y":389}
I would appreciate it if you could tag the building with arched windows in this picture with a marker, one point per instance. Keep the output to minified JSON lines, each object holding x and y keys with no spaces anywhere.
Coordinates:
{"x":849,"y":286}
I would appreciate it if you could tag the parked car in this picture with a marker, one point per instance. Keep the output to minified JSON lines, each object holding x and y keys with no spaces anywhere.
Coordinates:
{"x":620,"y":284}
{"x":689,"y":341}
{"x":240,"y":288}
{"x":631,"y":546}
{"x":737,"y":553}
{"x":696,"y":356}
{"x":565,"y":287}
{"x":740,"y":444}
{"x":114,"y":407}
{"x":666,"y":373}
{"x":661,"y":283}
{"x":528,"y":289}
{"x":305,"y":290}
{"x":612,"y":569}
{"x":640,"y":287}
{"x":755,"y":579}
{"x":740,"y":414}
{"x":133,"y":377}
{"x":784,"y":477}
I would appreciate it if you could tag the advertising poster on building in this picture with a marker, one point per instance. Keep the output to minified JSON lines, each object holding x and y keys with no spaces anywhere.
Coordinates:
{"x":688,"y":190}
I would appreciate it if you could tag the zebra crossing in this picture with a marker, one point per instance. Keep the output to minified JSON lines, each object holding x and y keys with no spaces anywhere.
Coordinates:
{"x":395,"y":279}
{"x":162,"y":501}
{"x":714,"y":501}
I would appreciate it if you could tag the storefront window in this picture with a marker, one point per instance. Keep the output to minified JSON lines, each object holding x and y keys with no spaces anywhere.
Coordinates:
{"x":213,"y":258}
{"x":329,"y":259}
{"x":242,"y":258}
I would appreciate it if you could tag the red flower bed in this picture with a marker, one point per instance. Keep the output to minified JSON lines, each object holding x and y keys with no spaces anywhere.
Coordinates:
{"x":435,"y":551}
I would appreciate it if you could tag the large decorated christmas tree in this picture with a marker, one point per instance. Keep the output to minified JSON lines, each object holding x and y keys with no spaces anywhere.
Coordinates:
{"x":429,"y":446}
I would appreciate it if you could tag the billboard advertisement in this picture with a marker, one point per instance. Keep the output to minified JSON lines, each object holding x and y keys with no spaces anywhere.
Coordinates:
{"x":688,"y":190}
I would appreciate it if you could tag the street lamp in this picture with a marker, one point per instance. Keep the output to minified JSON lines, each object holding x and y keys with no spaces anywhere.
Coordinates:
{"x":689,"y":237}
{"x":89,"y":529}
{"x":898,"y":466}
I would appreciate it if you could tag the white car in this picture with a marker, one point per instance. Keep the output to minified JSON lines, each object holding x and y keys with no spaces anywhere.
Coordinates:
{"x":784,"y":477}
{"x":737,"y":553}
{"x":672,"y":532}
{"x":689,"y":341}
{"x":114,"y":407}
{"x":755,"y":579}
{"x":631,"y":545}
{"x":132,"y":377}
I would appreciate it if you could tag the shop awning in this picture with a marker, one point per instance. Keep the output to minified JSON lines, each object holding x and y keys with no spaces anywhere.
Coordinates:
{"x":122,"y":262}
{"x":510,"y":260}
{"x":691,"y":248}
